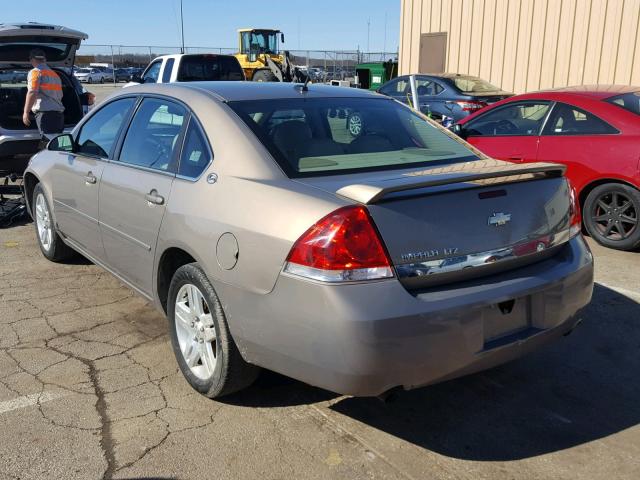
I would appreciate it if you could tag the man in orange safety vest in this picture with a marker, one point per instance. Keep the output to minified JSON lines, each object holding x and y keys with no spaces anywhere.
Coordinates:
{"x":44,"y":96}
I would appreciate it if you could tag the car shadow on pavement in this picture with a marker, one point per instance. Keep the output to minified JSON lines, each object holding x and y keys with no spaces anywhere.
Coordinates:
{"x":581,"y":388}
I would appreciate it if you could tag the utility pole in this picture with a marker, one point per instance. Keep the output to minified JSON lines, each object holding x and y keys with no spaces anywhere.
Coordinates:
{"x":368,"y":28}
{"x":181,"y":28}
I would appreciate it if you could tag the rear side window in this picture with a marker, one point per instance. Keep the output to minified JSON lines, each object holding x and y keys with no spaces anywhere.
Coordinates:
{"x":99,"y":133}
{"x":168,"y":68}
{"x":195,"y":68}
{"x":324,"y":136}
{"x":153,"y":136}
{"x":195,"y":152}
{"x":569,"y":120}
{"x":427,"y":87}
{"x":628,"y":101}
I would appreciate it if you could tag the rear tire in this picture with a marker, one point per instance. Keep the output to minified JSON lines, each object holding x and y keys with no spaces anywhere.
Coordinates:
{"x":611,"y":215}
{"x":50,"y":243}
{"x":206,"y":353}
{"x":264,"y":76}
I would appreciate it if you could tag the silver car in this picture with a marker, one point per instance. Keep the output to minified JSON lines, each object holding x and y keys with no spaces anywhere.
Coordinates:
{"x":272,"y":237}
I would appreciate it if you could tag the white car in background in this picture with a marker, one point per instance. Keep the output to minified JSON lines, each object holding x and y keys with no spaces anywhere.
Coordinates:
{"x":91,"y":75}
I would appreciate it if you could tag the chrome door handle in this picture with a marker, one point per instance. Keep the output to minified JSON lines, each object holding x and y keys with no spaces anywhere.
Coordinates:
{"x":153,"y":197}
{"x":90,"y":178}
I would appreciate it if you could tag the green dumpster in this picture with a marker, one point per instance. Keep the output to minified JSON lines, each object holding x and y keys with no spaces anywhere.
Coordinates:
{"x":370,"y":76}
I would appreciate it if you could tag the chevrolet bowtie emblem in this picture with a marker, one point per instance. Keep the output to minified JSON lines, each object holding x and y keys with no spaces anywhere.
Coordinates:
{"x":499,"y":219}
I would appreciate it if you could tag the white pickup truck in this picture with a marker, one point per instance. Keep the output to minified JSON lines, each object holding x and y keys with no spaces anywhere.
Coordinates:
{"x":187,"y":67}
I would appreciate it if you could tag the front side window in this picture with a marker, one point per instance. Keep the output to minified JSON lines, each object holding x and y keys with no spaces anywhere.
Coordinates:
{"x":153,"y":135}
{"x":317,"y":136}
{"x":99,"y":133}
{"x":195,"y":152}
{"x":152,"y":73}
{"x":569,"y":120}
{"x":518,"y":119}
{"x":398,"y":87}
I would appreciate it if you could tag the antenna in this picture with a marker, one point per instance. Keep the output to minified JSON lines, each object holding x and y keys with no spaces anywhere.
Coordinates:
{"x":181,"y":28}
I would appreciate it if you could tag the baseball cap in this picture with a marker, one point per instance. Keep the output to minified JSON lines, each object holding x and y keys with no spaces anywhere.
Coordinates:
{"x":38,"y":54}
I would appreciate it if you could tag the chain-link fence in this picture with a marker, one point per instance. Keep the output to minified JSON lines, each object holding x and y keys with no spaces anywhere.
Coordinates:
{"x":324,"y":65}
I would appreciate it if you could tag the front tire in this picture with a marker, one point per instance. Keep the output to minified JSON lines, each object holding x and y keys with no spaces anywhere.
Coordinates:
{"x":355,"y":124}
{"x":50,"y":243}
{"x":611,"y":215}
{"x":264,"y":76}
{"x":206,"y":353}
{"x":89,"y":80}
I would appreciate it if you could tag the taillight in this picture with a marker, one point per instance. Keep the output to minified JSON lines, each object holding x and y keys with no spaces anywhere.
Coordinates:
{"x":575,"y":222}
{"x":344,"y":246}
{"x":471,"y":105}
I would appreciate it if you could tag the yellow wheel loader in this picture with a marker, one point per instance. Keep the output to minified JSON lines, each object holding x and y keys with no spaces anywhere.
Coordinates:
{"x":261,"y":59}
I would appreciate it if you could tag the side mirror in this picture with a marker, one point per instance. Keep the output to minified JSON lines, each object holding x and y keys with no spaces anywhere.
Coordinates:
{"x":458,"y":130}
{"x":137,"y":78}
{"x":62,"y":143}
{"x":282,"y":37}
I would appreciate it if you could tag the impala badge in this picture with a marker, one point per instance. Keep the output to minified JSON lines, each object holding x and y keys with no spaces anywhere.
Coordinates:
{"x":499,"y":219}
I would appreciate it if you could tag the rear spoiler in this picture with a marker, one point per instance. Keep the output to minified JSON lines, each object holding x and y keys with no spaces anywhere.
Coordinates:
{"x":479,"y":170}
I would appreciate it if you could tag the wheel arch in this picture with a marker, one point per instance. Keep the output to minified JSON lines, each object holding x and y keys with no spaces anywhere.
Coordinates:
{"x":588,"y":188}
{"x":171,"y":260}
{"x":30,"y":182}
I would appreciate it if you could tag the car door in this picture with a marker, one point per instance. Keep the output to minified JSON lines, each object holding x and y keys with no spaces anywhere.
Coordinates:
{"x":136,"y":187}
{"x":510,"y":131}
{"x":76,"y":178}
{"x":580,"y":140}
{"x":152,"y":73}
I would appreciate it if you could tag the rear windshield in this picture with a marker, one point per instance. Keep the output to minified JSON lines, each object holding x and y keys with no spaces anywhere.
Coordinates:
{"x":474,"y":85}
{"x":324,"y":136}
{"x":17,"y":49}
{"x":195,"y":68}
{"x":628,"y":101}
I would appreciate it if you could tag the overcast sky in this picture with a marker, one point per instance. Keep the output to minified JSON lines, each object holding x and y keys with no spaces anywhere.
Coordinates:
{"x":313,"y":25}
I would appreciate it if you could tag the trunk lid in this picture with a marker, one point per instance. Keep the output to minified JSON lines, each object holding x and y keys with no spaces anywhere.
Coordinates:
{"x":463,"y":220}
{"x":18,"y":39}
{"x":490,"y":97}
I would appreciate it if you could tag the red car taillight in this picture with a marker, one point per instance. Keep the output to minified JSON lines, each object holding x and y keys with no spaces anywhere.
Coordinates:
{"x":575,"y":222}
{"x":344,"y":246}
{"x":471,"y":105}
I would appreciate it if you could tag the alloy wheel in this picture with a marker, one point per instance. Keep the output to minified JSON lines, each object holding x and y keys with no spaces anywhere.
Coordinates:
{"x":196,"y":331}
{"x":355,"y":125}
{"x":615,"y":216}
{"x":43,"y":222}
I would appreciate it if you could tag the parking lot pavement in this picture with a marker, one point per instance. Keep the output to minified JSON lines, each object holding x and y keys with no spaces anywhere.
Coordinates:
{"x":89,"y":389}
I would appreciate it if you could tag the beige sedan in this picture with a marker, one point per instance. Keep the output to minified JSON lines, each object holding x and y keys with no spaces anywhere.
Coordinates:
{"x":274,"y":236}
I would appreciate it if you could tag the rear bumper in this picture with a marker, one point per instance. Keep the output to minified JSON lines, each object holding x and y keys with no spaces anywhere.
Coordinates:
{"x":364,"y":339}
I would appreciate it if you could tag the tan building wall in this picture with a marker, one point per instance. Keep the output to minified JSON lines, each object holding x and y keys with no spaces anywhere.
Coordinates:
{"x":525,"y":45}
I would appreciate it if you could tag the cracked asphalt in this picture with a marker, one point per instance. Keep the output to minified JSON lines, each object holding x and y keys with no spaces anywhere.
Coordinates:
{"x":89,"y":389}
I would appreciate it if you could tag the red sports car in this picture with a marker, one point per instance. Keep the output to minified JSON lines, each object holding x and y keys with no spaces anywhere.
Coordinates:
{"x":594,"y":131}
